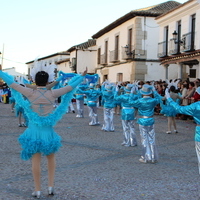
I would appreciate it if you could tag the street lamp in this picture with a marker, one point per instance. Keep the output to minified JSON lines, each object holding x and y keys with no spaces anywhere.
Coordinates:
{"x":128,"y":50}
{"x":176,"y":39}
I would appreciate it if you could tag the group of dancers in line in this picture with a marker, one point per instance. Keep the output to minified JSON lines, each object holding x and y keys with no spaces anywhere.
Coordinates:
{"x":37,"y":101}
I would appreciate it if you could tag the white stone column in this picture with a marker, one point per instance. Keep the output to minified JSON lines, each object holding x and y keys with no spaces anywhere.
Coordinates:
{"x":198,"y":69}
{"x":166,"y":71}
{"x":180,"y":70}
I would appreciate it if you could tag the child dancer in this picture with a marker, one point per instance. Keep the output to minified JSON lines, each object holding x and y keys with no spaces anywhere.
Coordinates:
{"x":146,"y":106}
{"x":108,"y":91}
{"x":127,"y":116}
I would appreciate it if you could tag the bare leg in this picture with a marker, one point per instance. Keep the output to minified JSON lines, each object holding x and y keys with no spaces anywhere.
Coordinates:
{"x":174,"y":122}
{"x":12,"y":107}
{"x":36,"y":160}
{"x":51,"y":169}
{"x":169,"y":123}
{"x":20,"y":118}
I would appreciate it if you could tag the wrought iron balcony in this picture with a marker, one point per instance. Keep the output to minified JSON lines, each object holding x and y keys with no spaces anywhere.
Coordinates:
{"x":174,"y":48}
{"x":189,"y":42}
{"x":114,"y":56}
{"x":104,"y":59}
{"x":162,"y":49}
{"x":128,"y":52}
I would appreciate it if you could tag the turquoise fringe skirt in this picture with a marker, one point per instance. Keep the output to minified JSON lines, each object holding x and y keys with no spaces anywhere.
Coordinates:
{"x":39,"y":139}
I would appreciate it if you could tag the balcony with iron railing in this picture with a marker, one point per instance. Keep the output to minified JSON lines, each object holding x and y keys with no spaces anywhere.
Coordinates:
{"x":184,"y":44}
{"x":114,"y":56}
{"x":174,"y":48}
{"x":188,"y":42}
{"x":128,"y":52}
{"x":162,"y":49}
{"x":104,"y":59}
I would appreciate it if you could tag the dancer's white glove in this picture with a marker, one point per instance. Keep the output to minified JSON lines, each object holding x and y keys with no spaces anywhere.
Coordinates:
{"x":167,"y":95}
{"x":116,"y":88}
{"x":133,"y":89}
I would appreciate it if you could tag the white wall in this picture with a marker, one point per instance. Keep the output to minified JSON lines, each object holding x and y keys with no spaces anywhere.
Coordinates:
{"x":64,"y":67}
{"x":13,"y":72}
{"x":50,"y":60}
{"x":125,"y":69}
{"x":86,"y":59}
{"x":151,"y":43}
{"x":154,"y":71}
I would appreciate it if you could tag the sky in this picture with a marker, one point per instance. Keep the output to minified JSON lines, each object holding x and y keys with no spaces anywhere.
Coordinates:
{"x":36,"y":28}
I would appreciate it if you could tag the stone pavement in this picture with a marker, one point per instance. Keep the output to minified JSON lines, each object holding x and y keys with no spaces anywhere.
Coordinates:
{"x":92,"y":164}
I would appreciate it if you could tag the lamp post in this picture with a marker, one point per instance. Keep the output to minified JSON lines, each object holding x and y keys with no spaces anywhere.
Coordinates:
{"x":128,"y":50}
{"x":177,"y":39}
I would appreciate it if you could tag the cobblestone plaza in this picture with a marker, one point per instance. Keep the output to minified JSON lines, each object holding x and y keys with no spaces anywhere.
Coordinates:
{"x":92,"y":164}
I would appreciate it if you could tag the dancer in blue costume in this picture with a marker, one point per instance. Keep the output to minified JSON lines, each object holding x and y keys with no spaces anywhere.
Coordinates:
{"x":193,"y":110}
{"x":40,"y":137}
{"x":108,"y":103}
{"x":92,"y":95}
{"x":80,"y":100}
{"x":120,"y":89}
{"x":146,"y":106}
{"x":127,"y":115}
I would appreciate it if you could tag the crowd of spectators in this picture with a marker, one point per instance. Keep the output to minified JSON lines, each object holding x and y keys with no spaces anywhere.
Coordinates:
{"x":189,"y":90}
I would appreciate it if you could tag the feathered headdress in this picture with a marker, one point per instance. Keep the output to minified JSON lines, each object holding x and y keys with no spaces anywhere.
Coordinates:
{"x":108,"y":85}
{"x":40,"y":66}
{"x":173,"y":82}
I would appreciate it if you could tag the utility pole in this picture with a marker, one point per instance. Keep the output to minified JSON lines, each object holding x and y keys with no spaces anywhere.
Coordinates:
{"x":0,"y":64}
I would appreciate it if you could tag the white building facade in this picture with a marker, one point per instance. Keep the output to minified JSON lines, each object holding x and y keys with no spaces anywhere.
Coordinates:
{"x":179,"y":41}
{"x":127,"y":48}
{"x":56,"y":59}
{"x":83,"y":55}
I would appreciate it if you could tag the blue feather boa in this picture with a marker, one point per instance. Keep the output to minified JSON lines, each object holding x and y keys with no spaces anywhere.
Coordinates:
{"x":53,"y":117}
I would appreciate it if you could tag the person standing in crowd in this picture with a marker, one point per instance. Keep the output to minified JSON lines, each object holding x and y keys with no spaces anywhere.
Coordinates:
{"x":40,"y":137}
{"x":108,"y":103}
{"x":146,"y":106}
{"x":196,"y":96}
{"x":187,"y":98}
{"x":127,"y":115}
{"x":6,"y":93}
{"x":1,"y":91}
{"x":169,"y":111}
